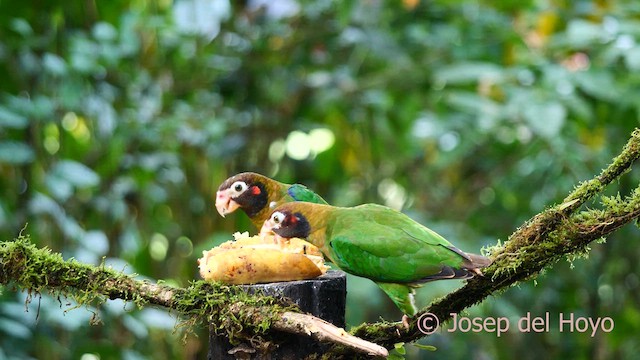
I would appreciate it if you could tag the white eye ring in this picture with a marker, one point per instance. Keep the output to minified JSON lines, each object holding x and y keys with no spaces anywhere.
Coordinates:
{"x":238,"y":187}
{"x":277,"y":217}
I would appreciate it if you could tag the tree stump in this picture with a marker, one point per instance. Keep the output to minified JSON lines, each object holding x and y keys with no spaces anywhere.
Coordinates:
{"x":324,"y":297}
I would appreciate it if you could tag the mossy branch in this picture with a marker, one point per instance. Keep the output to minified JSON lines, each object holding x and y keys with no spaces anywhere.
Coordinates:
{"x":541,"y":241}
{"x":229,"y":309}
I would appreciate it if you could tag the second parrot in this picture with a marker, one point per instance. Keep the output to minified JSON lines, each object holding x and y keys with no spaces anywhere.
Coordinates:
{"x":379,"y":243}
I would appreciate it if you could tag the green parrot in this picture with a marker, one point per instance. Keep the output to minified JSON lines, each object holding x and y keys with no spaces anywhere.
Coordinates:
{"x":257,"y":195}
{"x":379,"y":243}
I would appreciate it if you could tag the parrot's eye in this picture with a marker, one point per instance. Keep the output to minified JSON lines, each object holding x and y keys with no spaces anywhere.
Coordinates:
{"x":277,"y":217}
{"x":239,"y":187}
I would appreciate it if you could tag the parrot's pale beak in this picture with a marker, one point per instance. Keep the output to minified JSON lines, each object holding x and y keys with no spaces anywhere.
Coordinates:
{"x":224,"y":204}
{"x":267,"y":228}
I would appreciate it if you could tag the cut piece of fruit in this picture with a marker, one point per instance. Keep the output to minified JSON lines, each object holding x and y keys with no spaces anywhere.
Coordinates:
{"x":250,"y":260}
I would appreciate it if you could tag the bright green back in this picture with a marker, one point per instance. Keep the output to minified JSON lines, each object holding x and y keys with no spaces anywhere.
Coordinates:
{"x":385,"y":245}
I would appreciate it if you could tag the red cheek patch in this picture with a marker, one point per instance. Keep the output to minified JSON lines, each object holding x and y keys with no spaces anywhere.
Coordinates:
{"x":255,"y":190}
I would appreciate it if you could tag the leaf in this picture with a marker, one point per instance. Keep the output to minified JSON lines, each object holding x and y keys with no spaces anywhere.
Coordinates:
{"x":43,"y":204}
{"x":136,"y":326}
{"x":103,"y":31}
{"x":59,"y":188}
{"x":425,"y":347}
{"x":399,"y":347}
{"x":200,"y":17}
{"x":16,"y":153}
{"x":474,"y":103}
{"x":54,"y":64}
{"x":599,"y":84}
{"x":582,"y":33}
{"x":632,"y":58}
{"x":76,"y":173}
{"x":546,"y":119}
{"x":578,"y":106}
{"x":69,"y":226}
{"x":9,"y":119}
{"x":21,"y":26}
{"x":96,"y":241}
{"x":15,"y":328}
{"x":157,"y":319}
{"x":464,"y":73}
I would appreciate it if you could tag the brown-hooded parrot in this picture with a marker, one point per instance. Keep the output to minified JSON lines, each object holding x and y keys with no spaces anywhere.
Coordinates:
{"x":379,"y":243}
{"x":258,"y":195}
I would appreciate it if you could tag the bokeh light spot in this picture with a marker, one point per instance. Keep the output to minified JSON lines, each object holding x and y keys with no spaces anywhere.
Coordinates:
{"x":158,"y":247}
{"x":298,"y":146}
{"x":277,"y":150}
{"x":321,"y":139}
{"x":51,"y":138}
{"x":184,"y":246}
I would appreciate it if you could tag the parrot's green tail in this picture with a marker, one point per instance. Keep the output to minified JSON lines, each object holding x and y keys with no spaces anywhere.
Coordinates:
{"x":470,"y":267}
{"x":402,"y":293}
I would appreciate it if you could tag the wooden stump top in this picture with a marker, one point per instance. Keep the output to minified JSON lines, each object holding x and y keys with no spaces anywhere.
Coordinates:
{"x":324,"y":297}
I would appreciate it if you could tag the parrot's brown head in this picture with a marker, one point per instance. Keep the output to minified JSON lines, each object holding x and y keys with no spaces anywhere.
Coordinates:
{"x":247,"y":191}
{"x":287,"y":224}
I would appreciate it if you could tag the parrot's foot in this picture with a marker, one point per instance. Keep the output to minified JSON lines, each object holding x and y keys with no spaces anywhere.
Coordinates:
{"x":405,"y":321}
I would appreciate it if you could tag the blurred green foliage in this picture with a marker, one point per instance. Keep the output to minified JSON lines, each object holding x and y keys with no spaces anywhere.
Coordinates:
{"x":118,"y":120}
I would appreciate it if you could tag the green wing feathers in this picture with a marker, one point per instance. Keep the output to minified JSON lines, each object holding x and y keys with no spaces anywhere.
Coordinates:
{"x":384,"y":245}
{"x":300,"y":192}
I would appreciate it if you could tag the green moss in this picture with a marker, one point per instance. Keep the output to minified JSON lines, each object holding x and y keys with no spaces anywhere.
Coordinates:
{"x":585,"y":190}
{"x":373,"y":332}
{"x":208,"y":302}
{"x":542,"y":242}
{"x":229,"y":310}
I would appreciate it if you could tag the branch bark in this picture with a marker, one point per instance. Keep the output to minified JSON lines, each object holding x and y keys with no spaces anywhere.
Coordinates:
{"x":544,"y":239}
